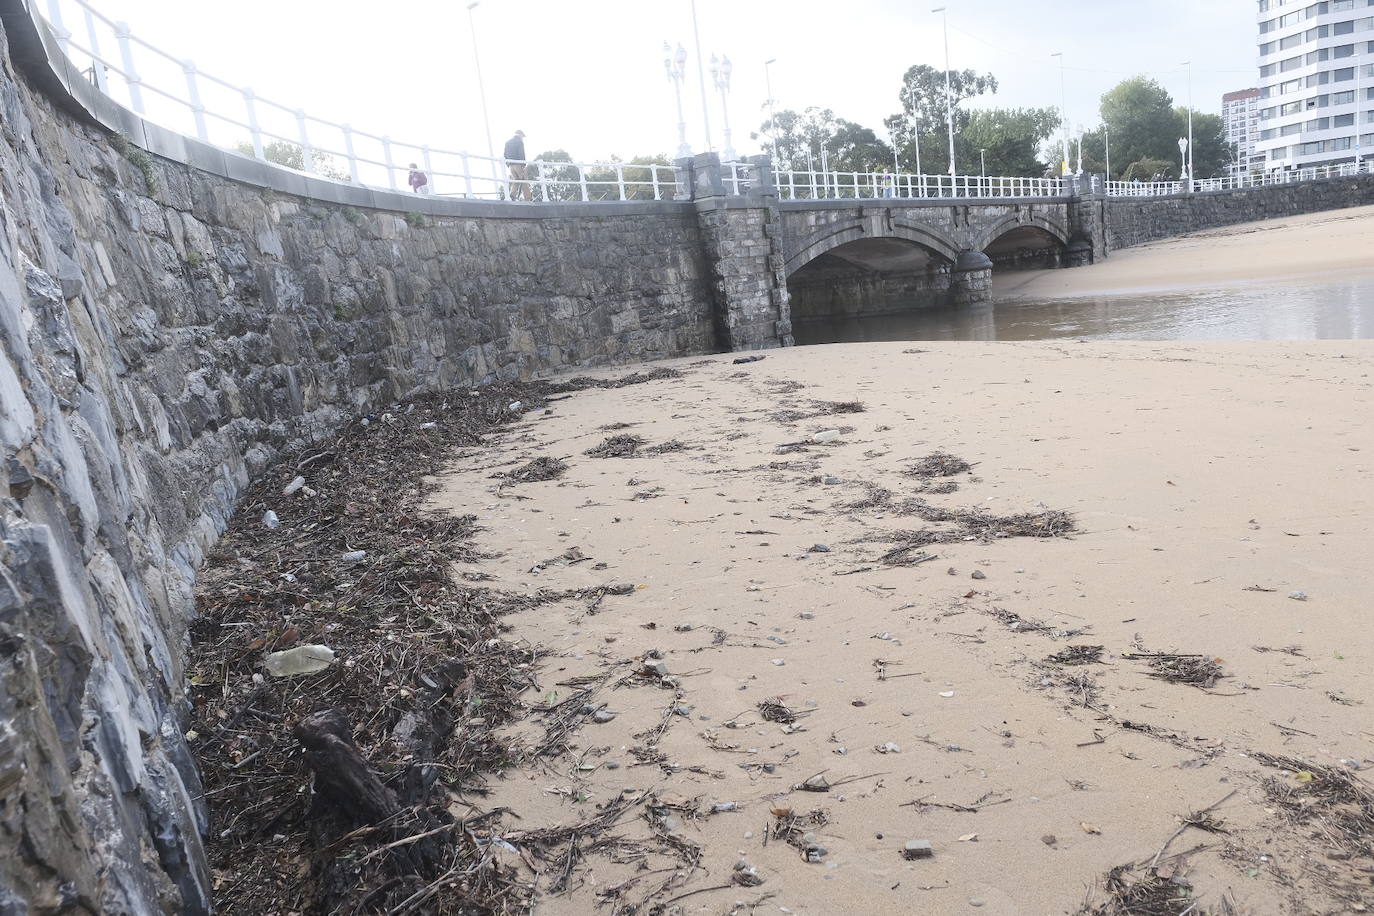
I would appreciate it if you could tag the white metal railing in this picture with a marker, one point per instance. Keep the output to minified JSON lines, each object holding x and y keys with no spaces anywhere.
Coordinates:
{"x":176,"y":94}
{"x":828,"y":185}
{"x":1238,"y":182}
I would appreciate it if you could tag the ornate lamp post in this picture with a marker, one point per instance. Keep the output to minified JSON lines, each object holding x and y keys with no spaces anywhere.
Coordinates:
{"x":721,"y":68}
{"x":675,"y":63}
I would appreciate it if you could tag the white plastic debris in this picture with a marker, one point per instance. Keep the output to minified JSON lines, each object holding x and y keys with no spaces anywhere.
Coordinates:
{"x":293,"y":486}
{"x":300,"y":660}
{"x":829,"y":435}
{"x":515,"y":406}
{"x":270,"y":520}
{"x":354,"y":556}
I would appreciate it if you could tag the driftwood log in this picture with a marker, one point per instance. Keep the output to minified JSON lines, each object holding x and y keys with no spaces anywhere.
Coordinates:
{"x":342,"y":775}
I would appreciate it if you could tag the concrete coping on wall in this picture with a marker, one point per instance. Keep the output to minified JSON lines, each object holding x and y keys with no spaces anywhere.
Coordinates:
{"x":35,"y":49}
{"x":895,"y":203}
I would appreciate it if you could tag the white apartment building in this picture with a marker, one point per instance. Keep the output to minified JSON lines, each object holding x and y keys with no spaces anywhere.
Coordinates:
{"x":1240,"y":113}
{"x":1316,"y":80}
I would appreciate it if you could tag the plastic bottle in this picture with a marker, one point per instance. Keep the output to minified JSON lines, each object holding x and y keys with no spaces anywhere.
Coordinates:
{"x":300,"y":660}
{"x":830,"y":435}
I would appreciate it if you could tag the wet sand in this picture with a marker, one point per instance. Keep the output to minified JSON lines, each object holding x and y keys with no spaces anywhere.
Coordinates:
{"x":1196,"y":474}
{"x":1319,"y":245}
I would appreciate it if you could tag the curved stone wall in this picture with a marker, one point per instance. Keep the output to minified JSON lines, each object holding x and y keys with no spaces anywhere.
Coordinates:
{"x":166,"y":331}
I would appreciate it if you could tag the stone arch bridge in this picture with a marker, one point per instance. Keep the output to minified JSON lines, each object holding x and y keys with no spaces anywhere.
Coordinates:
{"x":775,"y":262}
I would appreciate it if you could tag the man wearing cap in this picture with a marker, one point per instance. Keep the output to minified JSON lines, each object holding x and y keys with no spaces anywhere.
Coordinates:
{"x":519,"y":173}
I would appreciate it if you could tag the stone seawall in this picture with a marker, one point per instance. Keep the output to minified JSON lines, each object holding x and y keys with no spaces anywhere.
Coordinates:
{"x":1132,"y":221}
{"x":166,"y":332}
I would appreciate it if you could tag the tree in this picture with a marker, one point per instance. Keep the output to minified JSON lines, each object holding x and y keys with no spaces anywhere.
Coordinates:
{"x":1145,"y":128}
{"x":849,"y":147}
{"x":1012,"y":137}
{"x":1141,"y":117}
{"x":557,"y":182}
{"x":639,"y":182}
{"x":1211,"y":153}
{"x":924,"y":115}
{"x":292,"y":155}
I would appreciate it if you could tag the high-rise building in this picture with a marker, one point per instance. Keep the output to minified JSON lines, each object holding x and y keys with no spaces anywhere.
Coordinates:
{"x":1316,"y":81}
{"x":1240,"y":113}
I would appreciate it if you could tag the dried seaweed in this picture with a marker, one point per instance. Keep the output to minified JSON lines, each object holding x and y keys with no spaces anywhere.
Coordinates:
{"x":622,"y":446}
{"x":582,"y":382}
{"x":672,"y":445}
{"x":1334,"y":801}
{"x":537,"y":470}
{"x":773,"y":709}
{"x":1077,"y":655}
{"x":1199,"y":671}
{"x":1129,"y":893}
{"x":938,"y":464}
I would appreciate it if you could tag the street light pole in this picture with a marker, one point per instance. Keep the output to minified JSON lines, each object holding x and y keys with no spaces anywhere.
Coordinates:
{"x":1080,"y":150}
{"x":949,"y":92}
{"x":482,"y":89}
{"x":772,"y":111}
{"x":701,"y":75}
{"x":1107,"y":133}
{"x":675,"y":63}
{"x":1189,"y":65}
{"x":1063,"y":110}
{"x":720,"y":74}
{"x":983,"y":159}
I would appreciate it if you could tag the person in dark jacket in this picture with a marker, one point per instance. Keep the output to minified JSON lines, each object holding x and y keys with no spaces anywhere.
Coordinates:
{"x":519,"y":171}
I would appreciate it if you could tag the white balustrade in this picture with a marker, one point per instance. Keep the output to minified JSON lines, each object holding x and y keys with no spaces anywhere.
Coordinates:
{"x":371,"y":158}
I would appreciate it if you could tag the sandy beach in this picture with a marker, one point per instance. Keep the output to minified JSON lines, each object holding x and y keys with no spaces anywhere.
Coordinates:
{"x":823,"y":614}
{"x":1296,"y":248}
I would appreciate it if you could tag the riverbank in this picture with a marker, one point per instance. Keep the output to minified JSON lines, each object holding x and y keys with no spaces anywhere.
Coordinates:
{"x":824,"y":616}
{"x":1288,"y":250}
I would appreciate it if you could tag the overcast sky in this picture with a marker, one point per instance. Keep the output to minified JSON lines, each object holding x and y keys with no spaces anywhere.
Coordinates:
{"x":589,"y":77}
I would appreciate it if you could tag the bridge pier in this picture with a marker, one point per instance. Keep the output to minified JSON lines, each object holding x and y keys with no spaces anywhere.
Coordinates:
{"x":972,"y":279}
{"x":741,"y":231}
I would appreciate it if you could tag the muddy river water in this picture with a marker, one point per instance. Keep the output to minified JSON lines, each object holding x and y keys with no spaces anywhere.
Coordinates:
{"x":1330,"y":306}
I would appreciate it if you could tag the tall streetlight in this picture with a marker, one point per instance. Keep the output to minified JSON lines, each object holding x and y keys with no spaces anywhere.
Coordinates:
{"x":1107,"y":135}
{"x":772,"y":110}
{"x":983,"y":159}
{"x":721,"y":68}
{"x":701,"y":75}
{"x":675,"y":63}
{"x":949,"y":91}
{"x":1189,"y":65}
{"x":1063,"y":110}
{"x":915,"y":127}
{"x":481,"y":87}
{"x":1183,"y":145}
{"x":1080,"y":150}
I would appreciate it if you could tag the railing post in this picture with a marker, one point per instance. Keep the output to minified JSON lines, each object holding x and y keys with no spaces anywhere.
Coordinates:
{"x":582,"y":181}
{"x":307,"y":151}
{"x":653,"y":176}
{"x":467,"y":175}
{"x":60,"y":30}
{"x":620,"y":179}
{"x":102,"y":79}
{"x":193,"y":93}
{"x":544,"y":181}
{"x":428,"y":160}
{"x":254,"y":130}
{"x":352,"y":156}
{"x":126,"y":52}
{"x":390,"y":164}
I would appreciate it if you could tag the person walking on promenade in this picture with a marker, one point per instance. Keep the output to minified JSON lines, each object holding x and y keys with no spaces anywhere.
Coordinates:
{"x":519,"y":171}
{"x":419,"y":181}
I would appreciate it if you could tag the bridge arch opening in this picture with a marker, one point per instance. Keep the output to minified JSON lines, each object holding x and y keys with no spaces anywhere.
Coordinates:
{"x":867,"y":277}
{"x":1026,"y":247}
